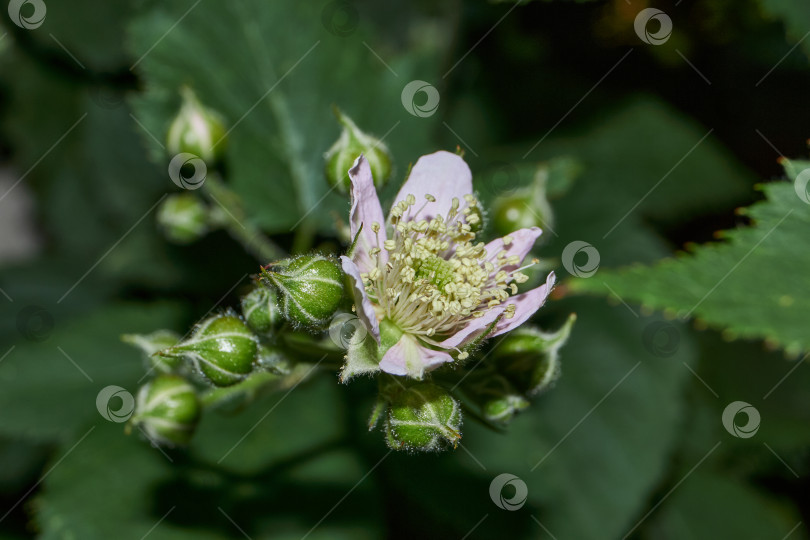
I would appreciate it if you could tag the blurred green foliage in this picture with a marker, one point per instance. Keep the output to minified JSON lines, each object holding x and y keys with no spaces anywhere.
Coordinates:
{"x":629,"y":441}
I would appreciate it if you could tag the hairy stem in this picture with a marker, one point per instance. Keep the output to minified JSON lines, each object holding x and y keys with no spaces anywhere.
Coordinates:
{"x":228,"y":213}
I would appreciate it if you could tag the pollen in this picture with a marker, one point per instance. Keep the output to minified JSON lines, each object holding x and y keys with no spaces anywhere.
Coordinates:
{"x":437,"y":277}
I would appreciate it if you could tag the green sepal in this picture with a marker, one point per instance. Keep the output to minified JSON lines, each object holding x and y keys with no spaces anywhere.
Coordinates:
{"x":423,"y":417}
{"x":151,"y":344}
{"x":529,"y":357}
{"x":473,"y":346}
{"x":377,"y":412}
{"x":362,"y":357}
{"x":353,"y":246}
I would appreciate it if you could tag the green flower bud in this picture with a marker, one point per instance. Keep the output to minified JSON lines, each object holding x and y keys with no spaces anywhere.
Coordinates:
{"x":260,"y":309}
{"x":310,"y":286}
{"x":152,"y":344}
{"x":529,"y":358}
{"x":351,"y":143}
{"x":423,"y":418}
{"x":167,"y":410}
{"x":183,"y":218}
{"x":503,"y":408}
{"x":496,"y":397}
{"x":525,"y":207}
{"x":221,"y":347}
{"x":196,"y":130}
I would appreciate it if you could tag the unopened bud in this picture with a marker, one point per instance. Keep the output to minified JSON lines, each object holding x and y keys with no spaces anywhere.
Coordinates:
{"x":351,"y":143}
{"x":524,"y":208}
{"x":423,"y":418}
{"x":197,"y":130}
{"x":260,"y":309}
{"x":529,"y":357}
{"x":222,"y":347}
{"x":497,"y":399}
{"x":310,"y":288}
{"x":167,"y":410}
{"x":183,"y":218}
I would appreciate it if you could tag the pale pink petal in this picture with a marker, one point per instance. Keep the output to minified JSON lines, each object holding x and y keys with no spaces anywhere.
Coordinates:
{"x":362,"y":303}
{"x":441,"y":174}
{"x":522,"y":243}
{"x":410,"y":358}
{"x":365,"y":210}
{"x":473,"y":329}
{"x":525,"y":306}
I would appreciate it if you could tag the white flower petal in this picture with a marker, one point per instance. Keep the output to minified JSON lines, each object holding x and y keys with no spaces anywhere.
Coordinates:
{"x":444,"y":176}
{"x":410,"y":358}
{"x":525,"y":306}
{"x":521,"y":244}
{"x":362,"y":303}
{"x":365,"y":211}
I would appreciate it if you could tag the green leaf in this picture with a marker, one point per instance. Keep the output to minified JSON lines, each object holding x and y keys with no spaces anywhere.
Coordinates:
{"x":52,"y":385}
{"x":753,"y":283}
{"x":285,"y":475}
{"x":275,"y":89}
{"x":711,"y":506}
{"x":795,"y":14}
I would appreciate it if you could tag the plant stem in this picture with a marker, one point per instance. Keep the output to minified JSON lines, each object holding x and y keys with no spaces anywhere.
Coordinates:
{"x":229,"y":214}
{"x":256,"y":384}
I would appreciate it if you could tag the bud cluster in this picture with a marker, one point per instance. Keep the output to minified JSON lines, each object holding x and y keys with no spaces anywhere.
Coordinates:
{"x":227,"y":348}
{"x":524,"y":364}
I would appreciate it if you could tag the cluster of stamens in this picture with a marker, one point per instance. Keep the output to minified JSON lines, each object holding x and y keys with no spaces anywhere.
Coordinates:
{"x":436,"y":276}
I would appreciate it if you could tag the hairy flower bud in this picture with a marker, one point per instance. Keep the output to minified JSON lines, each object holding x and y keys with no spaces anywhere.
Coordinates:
{"x":197,"y":130}
{"x":351,"y":143}
{"x":529,"y":358}
{"x":424,"y":418}
{"x":221,"y":347}
{"x":167,"y":410}
{"x":310,"y":286}
{"x":495,"y":396}
{"x":183,"y":218}
{"x":260,"y":309}
{"x":152,"y":344}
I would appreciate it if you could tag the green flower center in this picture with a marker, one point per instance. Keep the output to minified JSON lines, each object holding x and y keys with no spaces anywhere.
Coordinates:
{"x":436,"y":270}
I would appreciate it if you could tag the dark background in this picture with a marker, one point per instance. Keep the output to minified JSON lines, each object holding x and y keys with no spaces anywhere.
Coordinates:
{"x":639,"y":458}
